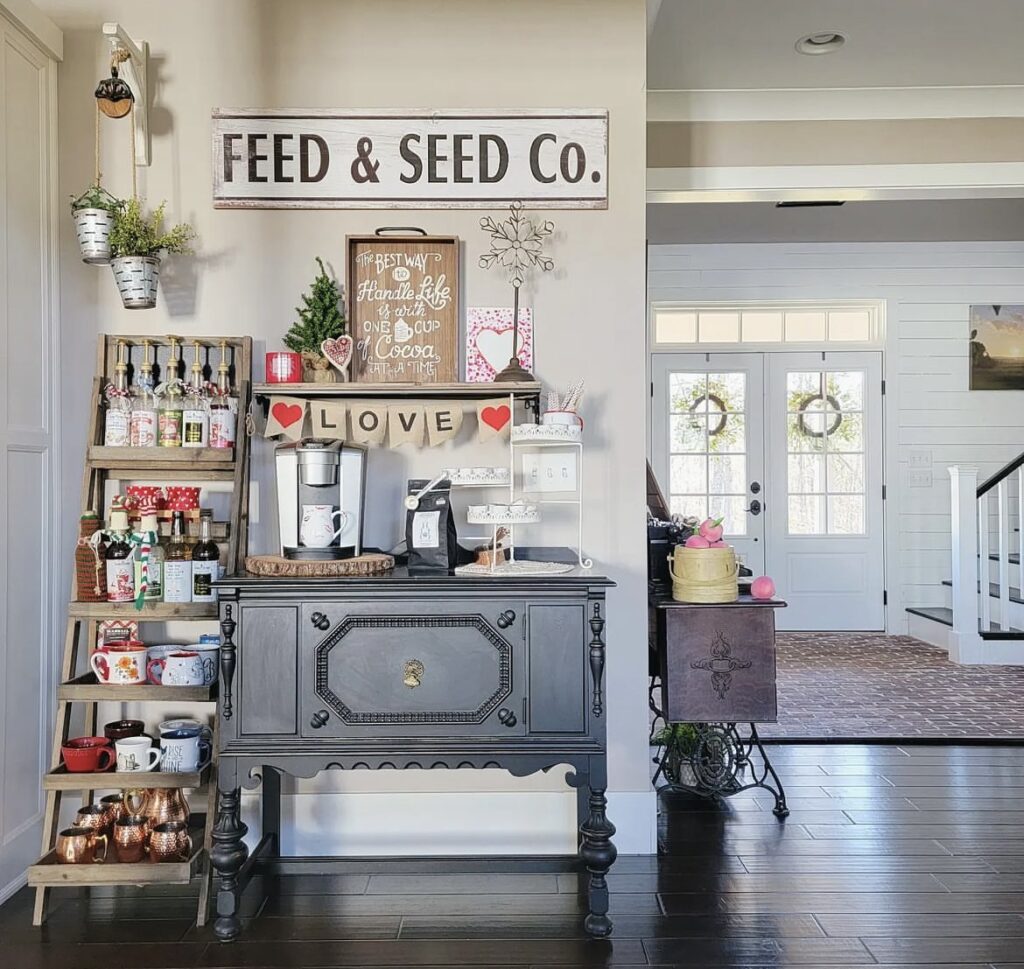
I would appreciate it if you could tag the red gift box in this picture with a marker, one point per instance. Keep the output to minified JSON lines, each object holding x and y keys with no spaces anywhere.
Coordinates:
{"x":182,"y":497}
{"x":284,"y":367}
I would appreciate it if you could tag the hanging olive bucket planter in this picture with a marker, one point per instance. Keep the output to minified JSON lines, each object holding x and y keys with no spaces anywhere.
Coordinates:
{"x":92,"y":226}
{"x":137,"y":278}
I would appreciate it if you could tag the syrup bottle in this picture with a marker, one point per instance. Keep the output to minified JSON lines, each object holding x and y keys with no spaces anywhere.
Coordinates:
{"x":170,"y":414}
{"x":222,"y":406}
{"x":196,"y":415}
{"x":205,"y":562}
{"x":120,"y":564}
{"x":144,"y":417}
{"x":177,"y":565}
{"x":118,"y":418}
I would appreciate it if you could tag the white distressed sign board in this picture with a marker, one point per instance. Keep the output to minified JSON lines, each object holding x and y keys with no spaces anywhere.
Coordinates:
{"x":344,"y":159}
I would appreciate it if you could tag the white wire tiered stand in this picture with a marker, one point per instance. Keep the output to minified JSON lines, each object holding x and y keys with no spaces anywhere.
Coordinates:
{"x":522,"y":510}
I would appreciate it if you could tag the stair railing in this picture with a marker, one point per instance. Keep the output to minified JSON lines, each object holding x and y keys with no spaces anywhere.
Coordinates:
{"x":971,"y":520}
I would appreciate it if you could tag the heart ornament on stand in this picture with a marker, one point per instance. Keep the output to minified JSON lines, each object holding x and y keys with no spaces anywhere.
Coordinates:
{"x":339,"y":352}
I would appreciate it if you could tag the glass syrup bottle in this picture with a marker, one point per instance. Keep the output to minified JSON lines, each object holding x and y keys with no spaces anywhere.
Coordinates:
{"x":120,"y":564}
{"x":222,"y":406}
{"x":205,"y":562}
{"x":170,"y":412}
{"x":117,"y":422}
{"x":177,"y":565}
{"x":196,"y":414}
{"x":144,"y":416}
{"x":154,"y":581}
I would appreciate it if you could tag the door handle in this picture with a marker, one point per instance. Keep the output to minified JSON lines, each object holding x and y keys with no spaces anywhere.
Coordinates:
{"x":754,"y":508}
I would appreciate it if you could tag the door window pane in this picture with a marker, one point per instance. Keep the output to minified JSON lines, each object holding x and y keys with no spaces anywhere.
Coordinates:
{"x":825,"y":445}
{"x":708,"y":446}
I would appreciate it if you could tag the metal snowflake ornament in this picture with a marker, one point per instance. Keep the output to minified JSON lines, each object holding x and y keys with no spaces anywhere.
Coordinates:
{"x":517,"y":246}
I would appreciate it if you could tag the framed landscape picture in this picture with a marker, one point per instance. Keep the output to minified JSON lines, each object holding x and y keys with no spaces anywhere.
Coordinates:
{"x":997,"y":347}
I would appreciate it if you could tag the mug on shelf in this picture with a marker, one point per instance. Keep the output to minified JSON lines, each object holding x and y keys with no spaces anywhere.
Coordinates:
{"x":120,"y":664}
{"x":284,"y":367}
{"x":316,"y":529}
{"x":209,"y":655}
{"x":170,"y":841}
{"x":154,"y":672}
{"x":183,"y":667}
{"x":184,"y":751}
{"x":144,"y":498}
{"x":93,"y":816}
{"x":87,"y":755}
{"x":116,"y":806}
{"x":136,"y":755}
{"x":130,"y":836}
{"x":183,"y":497}
{"x":194,"y":727}
{"x":119,"y":729}
{"x":77,"y":846}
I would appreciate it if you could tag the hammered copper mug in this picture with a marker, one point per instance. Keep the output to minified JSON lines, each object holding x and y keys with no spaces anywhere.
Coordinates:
{"x":116,"y":806}
{"x":95,"y":816}
{"x":130,"y":835}
{"x":170,"y":841}
{"x":77,"y":846}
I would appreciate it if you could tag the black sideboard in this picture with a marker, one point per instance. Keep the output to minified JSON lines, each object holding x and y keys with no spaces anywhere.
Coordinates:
{"x":409,"y":671}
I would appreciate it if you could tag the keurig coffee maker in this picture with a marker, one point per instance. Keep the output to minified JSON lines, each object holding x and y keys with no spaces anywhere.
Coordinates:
{"x":320,"y":492}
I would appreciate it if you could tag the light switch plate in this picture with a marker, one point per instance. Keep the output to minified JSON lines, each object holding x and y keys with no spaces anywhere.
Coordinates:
{"x":919,"y":479}
{"x":919,"y":459}
{"x":548,"y":471}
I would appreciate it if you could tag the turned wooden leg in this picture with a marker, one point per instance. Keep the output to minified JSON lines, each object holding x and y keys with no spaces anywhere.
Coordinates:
{"x":227,"y":855}
{"x":598,"y":854}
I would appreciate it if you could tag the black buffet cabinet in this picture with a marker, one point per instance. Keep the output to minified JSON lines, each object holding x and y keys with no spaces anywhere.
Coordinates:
{"x":409,"y":671}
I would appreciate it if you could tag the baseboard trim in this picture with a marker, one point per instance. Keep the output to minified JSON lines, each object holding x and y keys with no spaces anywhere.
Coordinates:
{"x":12,"y":887}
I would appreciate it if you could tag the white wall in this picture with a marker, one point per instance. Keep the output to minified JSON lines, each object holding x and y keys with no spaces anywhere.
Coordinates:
{"x":928,"y":289}
{"x":252,"y":266}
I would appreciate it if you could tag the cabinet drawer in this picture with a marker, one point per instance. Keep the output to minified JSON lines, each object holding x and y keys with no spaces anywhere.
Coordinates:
{"x":413,"y":668}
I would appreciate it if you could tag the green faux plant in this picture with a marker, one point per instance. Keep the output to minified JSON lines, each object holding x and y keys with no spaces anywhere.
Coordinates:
{"x":96,"y":197}
{"x":320,"y":317}
{"x":136,"y":234}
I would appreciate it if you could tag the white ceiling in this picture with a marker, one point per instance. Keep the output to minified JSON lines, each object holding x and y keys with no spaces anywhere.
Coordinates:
{"x":948,"y":220}
{"x":722,"y":44}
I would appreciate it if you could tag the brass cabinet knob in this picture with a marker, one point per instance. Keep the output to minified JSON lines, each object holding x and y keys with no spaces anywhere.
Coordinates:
{"x":319,"y":719}
{"x":319,"y":620}
{"x":506,"y":619}
{"x":412,"y":673}
{"x":507,"y":718}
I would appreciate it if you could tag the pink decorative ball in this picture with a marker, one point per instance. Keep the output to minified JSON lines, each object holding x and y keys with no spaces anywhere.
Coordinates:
{"x":762,"y":587}
{"x":697,"y":541}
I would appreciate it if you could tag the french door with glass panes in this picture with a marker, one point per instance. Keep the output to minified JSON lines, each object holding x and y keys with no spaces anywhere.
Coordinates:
{"x":708,"y":433}
{"x":787,"y":449}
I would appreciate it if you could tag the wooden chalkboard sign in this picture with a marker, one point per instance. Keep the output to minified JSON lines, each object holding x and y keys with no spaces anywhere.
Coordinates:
{"x":403,"y":307}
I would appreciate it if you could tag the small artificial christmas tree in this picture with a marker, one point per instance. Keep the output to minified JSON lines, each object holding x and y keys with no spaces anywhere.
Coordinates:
{"x":320,"y":319}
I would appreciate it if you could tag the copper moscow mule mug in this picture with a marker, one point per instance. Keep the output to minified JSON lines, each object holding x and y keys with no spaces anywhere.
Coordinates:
{"x":77,"y":846}
{"x":130,"y":836}
{"x":170,"y":841}
{"x":95,"y":816}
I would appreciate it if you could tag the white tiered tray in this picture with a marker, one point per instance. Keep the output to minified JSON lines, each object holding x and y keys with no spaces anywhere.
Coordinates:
{"x":502,"y":514}
{"x":547,"y":434}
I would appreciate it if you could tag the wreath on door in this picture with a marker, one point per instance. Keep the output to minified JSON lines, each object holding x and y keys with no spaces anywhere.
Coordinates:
{"x":833,"y":425}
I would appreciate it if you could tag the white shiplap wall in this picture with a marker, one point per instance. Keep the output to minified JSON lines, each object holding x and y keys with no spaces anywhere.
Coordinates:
{"x":928,"y":289}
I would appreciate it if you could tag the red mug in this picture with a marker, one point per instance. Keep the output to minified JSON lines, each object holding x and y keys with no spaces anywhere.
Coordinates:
{"x":284,"y":367}
{"x":182,"y":497}
{"x":86,"y":755}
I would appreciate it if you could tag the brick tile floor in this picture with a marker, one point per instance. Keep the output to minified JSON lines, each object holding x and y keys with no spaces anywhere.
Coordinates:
{"x":872,"y":686}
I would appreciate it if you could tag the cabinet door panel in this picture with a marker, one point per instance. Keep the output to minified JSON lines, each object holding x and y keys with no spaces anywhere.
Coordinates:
{"x":268,"y":670}
{"x":558,"y":686}
{"x":413,"y":668}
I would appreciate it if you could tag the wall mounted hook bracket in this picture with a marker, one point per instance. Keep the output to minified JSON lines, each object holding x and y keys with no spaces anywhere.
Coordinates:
{"x":135,"y":70}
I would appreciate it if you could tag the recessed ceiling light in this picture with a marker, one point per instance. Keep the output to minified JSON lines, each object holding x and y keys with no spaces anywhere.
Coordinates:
{"x":821,"y":42}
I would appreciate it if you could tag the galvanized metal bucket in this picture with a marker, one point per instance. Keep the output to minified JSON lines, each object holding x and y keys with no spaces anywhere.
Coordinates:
{"x":92,"y":226}
{"x":137,"y":279}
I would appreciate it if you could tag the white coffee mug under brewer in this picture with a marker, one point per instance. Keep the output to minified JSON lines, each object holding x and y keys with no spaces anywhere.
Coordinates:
{"x":316,"y":528}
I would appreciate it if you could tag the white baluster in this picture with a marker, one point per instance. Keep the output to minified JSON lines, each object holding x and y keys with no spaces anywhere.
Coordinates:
{"x":984,"y":568}
{"x":1002,"y":492}
{"x":965,"y":645}
{"x":1020,"y":531}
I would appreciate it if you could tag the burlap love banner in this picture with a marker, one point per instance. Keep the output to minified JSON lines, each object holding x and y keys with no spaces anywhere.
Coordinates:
{"x":383,"y":424}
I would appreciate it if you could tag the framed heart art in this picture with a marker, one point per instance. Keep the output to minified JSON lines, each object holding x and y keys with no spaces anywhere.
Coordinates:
{"x":489,"y":341}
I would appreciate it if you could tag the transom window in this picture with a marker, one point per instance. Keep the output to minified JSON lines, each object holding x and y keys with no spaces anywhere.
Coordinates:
{"x":687,"y":326}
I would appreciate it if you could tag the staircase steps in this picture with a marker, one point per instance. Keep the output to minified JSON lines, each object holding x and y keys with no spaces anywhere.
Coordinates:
{"x":945,"y":616}
{"x":993,"y":591}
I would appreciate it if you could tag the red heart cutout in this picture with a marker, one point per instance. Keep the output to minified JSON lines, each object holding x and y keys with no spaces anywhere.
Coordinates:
{"x":338,"y":351}
{"x":288,"y":414}
{"x":496,"y":417}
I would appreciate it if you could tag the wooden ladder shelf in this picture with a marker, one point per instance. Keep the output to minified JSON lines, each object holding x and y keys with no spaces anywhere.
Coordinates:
{"x":114,"y":465}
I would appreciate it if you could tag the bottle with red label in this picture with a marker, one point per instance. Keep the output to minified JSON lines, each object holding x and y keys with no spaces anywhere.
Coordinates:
{"x":170,"y":416}
{"x":144,"y":413}
{"x":120,"y":562}
{"x":222,"y":406}
{"x":117,"y":422}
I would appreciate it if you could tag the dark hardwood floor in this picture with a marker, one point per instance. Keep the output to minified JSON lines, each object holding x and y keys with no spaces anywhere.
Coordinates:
{"x":900,"y":856}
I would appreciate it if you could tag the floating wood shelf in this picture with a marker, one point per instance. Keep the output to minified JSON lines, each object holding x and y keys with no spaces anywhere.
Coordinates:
{"x":87,"y":688}
{"x":150,"y":612}
{"x":49,"y":871}
{"x":61,"y":779}
{"x":464,"y":391}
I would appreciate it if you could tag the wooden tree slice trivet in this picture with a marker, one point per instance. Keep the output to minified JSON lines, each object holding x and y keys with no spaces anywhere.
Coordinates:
{"x":372,"y":563}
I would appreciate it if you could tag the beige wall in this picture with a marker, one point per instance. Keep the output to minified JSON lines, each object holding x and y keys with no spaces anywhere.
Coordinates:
{"x":252,"y":265}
